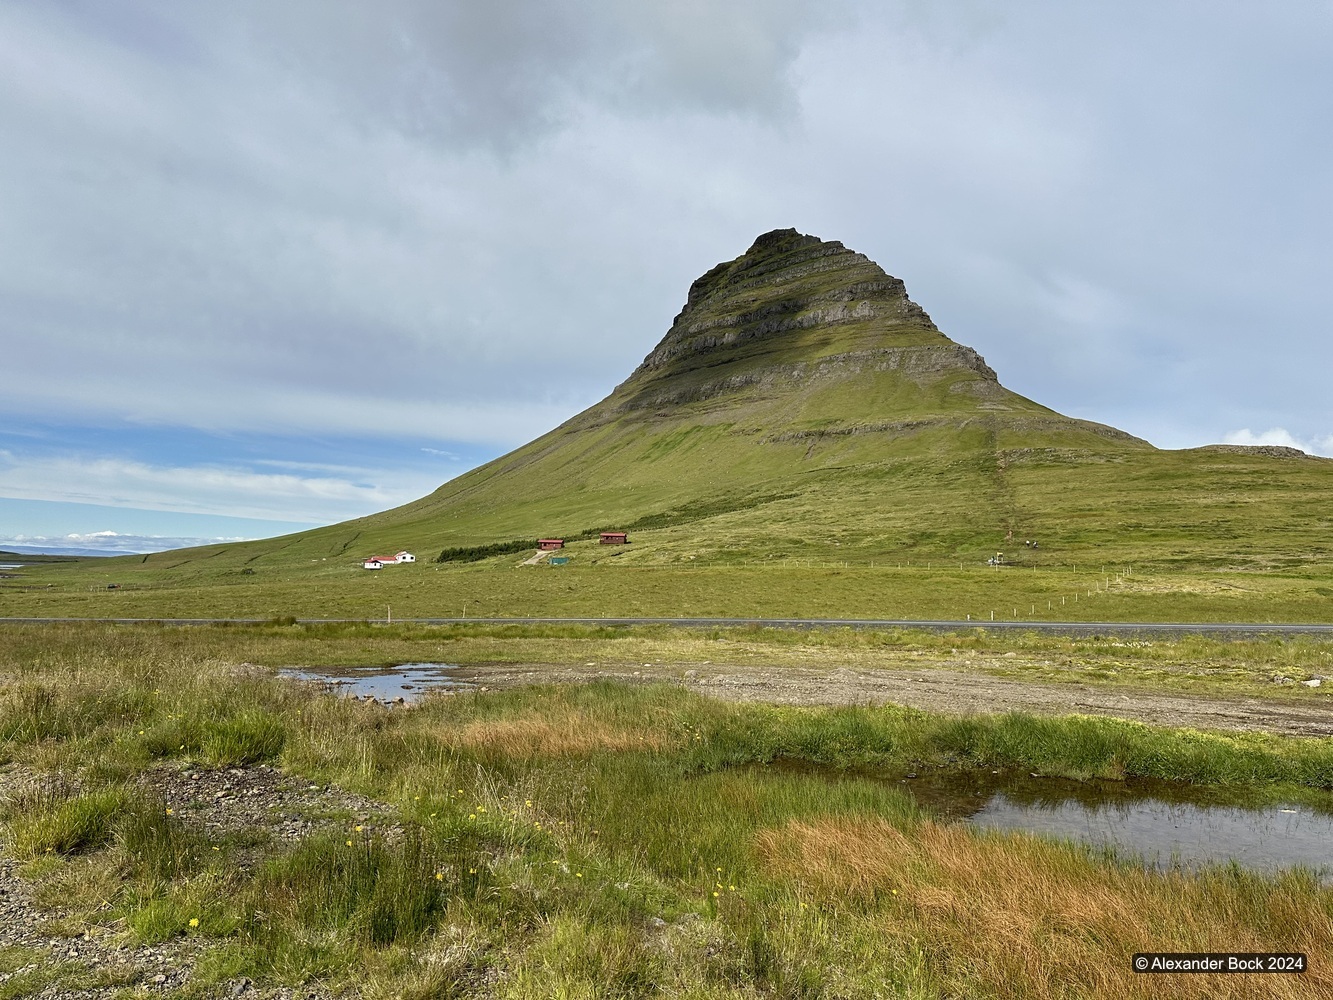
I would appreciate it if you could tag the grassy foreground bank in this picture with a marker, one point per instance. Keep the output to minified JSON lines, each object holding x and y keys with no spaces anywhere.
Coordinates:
{"x":606,"y":840}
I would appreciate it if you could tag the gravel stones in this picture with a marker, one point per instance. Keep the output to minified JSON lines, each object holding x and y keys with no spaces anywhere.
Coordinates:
{"x":260,"y":799}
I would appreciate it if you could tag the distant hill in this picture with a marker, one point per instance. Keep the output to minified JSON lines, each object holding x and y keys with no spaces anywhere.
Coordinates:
{"x":801,"y":405}
{"x":35,"y":555}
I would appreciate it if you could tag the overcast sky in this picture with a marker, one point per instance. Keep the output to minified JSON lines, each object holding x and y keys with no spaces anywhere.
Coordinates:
{"x":299,"y":261}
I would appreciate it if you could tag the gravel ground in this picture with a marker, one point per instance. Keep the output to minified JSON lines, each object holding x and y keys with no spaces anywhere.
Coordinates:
{"x":938,"y":689}
{"x":257,"y":798}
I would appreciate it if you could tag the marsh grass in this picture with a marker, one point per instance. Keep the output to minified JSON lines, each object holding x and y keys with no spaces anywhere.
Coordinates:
{"x":1043,"y":929}
{"x":606,"y":840}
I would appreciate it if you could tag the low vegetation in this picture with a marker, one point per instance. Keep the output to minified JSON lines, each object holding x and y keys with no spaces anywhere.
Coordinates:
{"x":611,"y":841}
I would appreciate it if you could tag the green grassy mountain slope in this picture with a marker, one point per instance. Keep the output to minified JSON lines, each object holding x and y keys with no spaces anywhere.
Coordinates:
{"x":799,"y":377}
{"x":801,"y":408}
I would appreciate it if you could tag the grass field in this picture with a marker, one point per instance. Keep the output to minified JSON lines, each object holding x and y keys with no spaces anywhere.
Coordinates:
{"x":613,"y":587}
{"x":613,"y":841}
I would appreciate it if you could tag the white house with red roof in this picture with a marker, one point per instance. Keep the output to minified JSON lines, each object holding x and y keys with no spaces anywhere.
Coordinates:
{"x":379,"y":562}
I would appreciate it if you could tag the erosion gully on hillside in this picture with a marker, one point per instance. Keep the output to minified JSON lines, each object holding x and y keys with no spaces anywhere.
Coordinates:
{"x":928,"y":688}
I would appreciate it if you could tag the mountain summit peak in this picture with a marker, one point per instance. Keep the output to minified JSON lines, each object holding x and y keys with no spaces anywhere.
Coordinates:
{"x":779,"y":240}
{"x":788,"y":282}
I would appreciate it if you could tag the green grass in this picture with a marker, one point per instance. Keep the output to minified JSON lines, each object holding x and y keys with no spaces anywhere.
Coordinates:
{"x":66,"y":826}
{"x":700,"y":588}
{"x":606,"y":840}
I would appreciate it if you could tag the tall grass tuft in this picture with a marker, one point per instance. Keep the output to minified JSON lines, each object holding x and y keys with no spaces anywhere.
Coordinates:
{"x":382,"y":894}
{"x":58,"y":825}
{"x":248,"y":738}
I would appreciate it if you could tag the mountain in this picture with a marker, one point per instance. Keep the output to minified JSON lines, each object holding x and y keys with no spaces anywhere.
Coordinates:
{"x":801,"y":405}
{"x":799,"y":377}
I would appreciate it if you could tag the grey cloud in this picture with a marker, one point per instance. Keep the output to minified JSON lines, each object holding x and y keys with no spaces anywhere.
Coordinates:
{"x":503,"y":72}
{"x":471,"y":219}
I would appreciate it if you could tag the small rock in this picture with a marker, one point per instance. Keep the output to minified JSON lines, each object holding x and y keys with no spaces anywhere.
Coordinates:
{"x":1313,"y":682}
{"x":159,"y":978}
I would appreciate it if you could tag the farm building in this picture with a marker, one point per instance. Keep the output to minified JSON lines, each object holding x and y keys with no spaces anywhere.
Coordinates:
{"x":379,"y":562}
{"x":615,"y":538}
{"x":550,"y":544}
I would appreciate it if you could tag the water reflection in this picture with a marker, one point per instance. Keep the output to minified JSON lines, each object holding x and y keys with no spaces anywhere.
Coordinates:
{"x":404,"y":683}
{"x":1164,"y":824}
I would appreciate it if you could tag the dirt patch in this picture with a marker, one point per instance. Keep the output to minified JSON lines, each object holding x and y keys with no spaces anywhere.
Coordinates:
{"x":99,"y":957}
{"x":938,"y":690}
{"x":264,"y":799}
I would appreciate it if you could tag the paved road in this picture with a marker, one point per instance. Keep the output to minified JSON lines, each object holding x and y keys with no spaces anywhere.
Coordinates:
{"x":1050,"y":628}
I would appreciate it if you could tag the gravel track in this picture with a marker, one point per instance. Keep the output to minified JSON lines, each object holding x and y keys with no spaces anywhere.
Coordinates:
{"x":937,"y":689}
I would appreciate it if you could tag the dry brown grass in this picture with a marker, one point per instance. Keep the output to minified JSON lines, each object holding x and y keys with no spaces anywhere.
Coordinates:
{"x":1035,"y":919}
{"x":573,"y":734}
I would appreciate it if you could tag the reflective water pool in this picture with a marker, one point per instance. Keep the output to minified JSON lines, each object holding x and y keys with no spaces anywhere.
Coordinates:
{"x":403,"y":683}
{"x":1164,"y":824}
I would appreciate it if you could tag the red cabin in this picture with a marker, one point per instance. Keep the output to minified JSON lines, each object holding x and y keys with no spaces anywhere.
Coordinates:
{"x":615,"y":538}
{"x":549,"y":544}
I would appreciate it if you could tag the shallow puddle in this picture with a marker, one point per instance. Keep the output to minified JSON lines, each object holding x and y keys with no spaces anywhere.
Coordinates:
{"x":1164,"y":824}
{"x":404,"y":683}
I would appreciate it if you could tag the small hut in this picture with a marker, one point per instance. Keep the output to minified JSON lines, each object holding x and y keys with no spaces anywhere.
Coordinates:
{"x":615,"y":538}
{"x":550,"y":544}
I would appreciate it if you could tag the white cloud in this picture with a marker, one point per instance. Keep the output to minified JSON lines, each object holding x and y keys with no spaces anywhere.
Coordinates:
{"x":205,"y":489}
{"x":111,"y":543}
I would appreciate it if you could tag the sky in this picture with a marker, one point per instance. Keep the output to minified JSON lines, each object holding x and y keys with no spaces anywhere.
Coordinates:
{"x":270,"y":265}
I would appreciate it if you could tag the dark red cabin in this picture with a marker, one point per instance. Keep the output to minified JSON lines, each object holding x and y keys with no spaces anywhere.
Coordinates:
{"x":615,"y":538}
{"x":547,"y":544}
